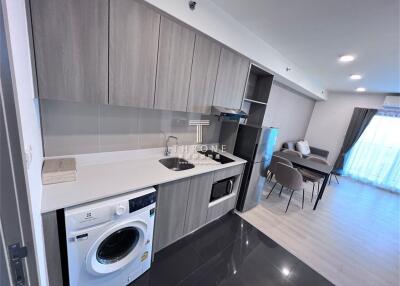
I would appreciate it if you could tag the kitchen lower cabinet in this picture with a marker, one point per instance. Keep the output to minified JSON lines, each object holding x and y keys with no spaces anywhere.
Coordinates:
{"x":231,"y":79}
{"x":172,"y":201}
{"x":221,"y":208}
{"x":71,"y":49}
{"x":199,"y":198}
{"x":184,"y":206}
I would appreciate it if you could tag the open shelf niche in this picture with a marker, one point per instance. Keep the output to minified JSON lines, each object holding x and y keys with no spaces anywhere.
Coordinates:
{"x":256,"y":95}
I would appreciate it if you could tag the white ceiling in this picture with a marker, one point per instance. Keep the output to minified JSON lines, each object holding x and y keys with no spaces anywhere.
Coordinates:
{"x":314,"y":33}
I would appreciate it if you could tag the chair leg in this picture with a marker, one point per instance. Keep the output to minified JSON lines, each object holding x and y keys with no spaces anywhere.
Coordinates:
{"x":330,"y":178}
{"x":280,"y":191}
{"x":336,"y":178}
{"x":289,"y":201}
{"x":271,"y":177}
{"x":318,"y":186}
{"x":302,"y":202}
{"x":271,"y":190}
{"x":312,"y":194}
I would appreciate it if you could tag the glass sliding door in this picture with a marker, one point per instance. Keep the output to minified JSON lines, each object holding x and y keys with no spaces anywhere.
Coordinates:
{"x":375,"y":158}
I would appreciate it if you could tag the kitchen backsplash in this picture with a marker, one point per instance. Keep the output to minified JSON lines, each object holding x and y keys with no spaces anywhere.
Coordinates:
{"x":76,"y":128}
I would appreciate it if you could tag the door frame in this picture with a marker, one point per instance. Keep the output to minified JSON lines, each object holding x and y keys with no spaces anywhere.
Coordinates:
{"x":15,"y":219}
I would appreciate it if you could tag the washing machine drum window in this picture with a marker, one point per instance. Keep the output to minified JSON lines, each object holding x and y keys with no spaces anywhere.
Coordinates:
{"x":118,"y":245}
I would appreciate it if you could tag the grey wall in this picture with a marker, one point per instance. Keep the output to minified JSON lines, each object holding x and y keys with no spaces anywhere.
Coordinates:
{"x":77,"y":128}
{"x":331,"y":118}
{"x":289,"y":111}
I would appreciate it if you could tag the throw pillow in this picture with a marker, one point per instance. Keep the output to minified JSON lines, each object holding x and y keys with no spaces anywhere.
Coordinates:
{"x":303,"y":147}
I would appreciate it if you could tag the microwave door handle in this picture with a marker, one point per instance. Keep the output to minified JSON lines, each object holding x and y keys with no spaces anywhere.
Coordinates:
{"x":230,"y":186}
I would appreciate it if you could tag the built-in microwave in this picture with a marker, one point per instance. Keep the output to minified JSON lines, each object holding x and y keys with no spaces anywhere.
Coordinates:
{"x":222,"y":188}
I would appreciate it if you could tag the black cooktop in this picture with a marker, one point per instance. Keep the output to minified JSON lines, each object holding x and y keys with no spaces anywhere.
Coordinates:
{"x":216,"y":156}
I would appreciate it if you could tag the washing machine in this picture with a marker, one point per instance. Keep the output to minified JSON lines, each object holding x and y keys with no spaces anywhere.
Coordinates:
{"x":109,"y":242}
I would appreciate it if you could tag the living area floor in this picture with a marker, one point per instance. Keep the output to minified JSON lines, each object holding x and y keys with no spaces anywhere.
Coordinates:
{"x":351,"y":239}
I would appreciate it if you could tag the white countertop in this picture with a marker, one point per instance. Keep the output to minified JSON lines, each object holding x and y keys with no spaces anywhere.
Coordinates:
{"x":103,"y":175}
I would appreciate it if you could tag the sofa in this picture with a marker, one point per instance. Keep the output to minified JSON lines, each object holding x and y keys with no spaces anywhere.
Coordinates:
{"x":314,"y":151}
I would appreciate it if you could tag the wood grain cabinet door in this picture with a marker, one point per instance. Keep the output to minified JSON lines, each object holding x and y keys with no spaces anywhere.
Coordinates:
{"x":171,"y":209}
{"x":231,"y":79}
{"x":204,"y":74}
{"x":134,"y":32}
{"x":175,"y":56}
{"x":71,"y":49}
{"x":199,"y":198}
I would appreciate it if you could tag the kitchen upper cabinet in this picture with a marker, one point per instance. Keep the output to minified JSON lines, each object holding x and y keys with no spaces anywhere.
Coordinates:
{"x":231,"y":79}
{"x":175,"y":56}
{"x":71,"y":49}
{"x":171,"y":211}
{"x":204,"y":74}
{"x":134,"y":32}
{"x":199,"y":198}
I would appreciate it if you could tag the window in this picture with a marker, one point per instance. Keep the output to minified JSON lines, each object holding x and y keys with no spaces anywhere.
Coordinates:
{"x":375,"y":158}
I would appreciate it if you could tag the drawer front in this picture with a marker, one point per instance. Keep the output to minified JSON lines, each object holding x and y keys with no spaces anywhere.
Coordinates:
{"x":221,"y":208}
{"x":228,"y":172}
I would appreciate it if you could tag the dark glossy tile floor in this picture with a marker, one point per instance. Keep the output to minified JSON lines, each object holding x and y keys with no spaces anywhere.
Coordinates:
{"x":228,"y":252}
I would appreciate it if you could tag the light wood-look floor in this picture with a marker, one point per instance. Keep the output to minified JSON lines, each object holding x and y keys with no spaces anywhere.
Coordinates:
{"x":351,"y":239}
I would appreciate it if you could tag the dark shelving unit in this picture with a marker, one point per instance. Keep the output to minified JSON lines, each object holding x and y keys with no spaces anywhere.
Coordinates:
{"x":256,"y":96}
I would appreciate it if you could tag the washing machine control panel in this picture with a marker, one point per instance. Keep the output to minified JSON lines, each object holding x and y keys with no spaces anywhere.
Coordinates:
{"x":142,"y":202}
{"x":78,"y":218}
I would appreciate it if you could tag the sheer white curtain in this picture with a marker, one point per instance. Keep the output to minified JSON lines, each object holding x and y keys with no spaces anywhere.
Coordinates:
{"x":375,"y":158}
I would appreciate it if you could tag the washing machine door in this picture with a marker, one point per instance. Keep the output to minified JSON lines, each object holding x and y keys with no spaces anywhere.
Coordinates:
{"x":116,"y":248}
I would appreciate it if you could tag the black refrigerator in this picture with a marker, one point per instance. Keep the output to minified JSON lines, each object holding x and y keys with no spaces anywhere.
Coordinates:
{"x":256,"y":145}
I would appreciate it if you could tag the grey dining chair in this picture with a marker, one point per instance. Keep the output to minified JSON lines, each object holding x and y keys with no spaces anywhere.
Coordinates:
{"x":272,"y":166}
{"x":313,"y":177}
{"x":293,"y":152}
{"x":290,"y":178}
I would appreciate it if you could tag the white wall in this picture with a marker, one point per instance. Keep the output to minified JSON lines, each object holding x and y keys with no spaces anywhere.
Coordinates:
{"x":28,"y":111}
{"x":213,"y":21}
{"x":289,"y":111}
{"x":331,"y":118}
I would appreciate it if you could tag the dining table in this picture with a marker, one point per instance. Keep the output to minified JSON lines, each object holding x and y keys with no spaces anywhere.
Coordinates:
{"x":300,"y":162}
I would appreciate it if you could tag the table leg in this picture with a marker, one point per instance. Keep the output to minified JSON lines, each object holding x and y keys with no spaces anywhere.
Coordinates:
{"x":321,"y":192}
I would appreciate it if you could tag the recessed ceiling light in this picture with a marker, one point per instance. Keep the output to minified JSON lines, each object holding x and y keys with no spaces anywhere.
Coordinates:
{"x":355,"y":77}
{"x":285,"y":271}
{"x":360,"y":89}
{"x":346,"y":58}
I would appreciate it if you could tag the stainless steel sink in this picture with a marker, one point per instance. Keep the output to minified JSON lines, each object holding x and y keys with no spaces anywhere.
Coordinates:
{"x":176,"y":164}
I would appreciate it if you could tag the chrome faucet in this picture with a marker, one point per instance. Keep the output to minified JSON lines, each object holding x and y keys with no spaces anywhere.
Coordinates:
{"x":167,"y":151}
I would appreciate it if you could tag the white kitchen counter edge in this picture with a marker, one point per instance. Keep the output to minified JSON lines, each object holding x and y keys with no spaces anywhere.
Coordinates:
{"x":103,"y":175}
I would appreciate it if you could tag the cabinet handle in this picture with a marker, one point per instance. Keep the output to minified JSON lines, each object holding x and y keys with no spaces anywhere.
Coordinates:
{"x":231,"y":186}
